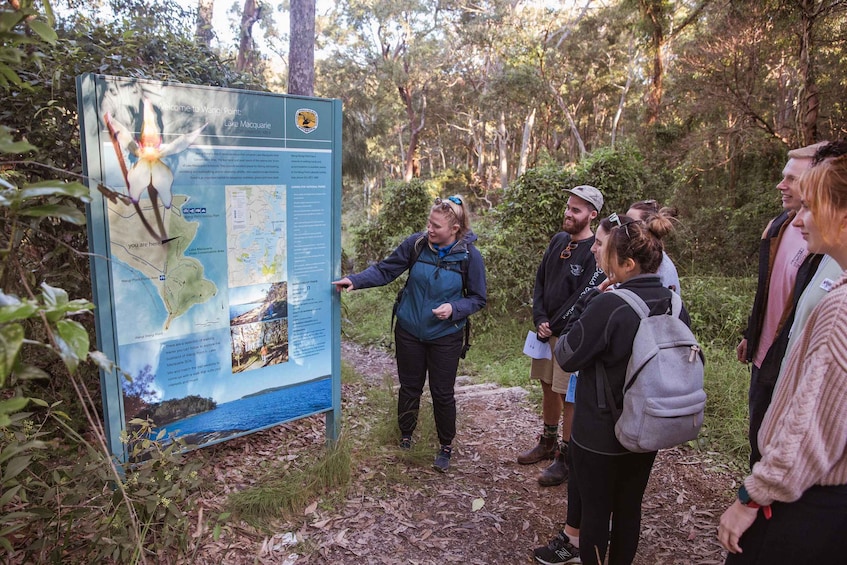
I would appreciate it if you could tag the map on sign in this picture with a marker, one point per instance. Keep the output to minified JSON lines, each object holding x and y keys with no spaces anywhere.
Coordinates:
{"x":178,"y":279}
{"x":255,"y":225}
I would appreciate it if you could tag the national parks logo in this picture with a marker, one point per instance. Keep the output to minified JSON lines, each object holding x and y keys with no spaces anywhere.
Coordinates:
{"x":307,"y":120}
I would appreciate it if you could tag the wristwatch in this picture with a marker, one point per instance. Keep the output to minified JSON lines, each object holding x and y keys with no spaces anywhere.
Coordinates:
{"x":745,"y":499}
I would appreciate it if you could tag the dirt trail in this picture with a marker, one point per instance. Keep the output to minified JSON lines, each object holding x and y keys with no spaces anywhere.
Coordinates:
{"x":486,"y":509}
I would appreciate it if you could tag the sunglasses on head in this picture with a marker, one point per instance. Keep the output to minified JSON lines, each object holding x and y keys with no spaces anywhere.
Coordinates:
{"x":616,"y":222}
{"x":455,"y":199}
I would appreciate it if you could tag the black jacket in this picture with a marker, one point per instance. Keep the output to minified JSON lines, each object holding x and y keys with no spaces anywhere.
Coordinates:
{"x":604,"y":332}
{"x":769,"y":371}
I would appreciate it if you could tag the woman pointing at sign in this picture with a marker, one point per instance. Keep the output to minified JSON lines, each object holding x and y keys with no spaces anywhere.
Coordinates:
{"x":446,"y":284}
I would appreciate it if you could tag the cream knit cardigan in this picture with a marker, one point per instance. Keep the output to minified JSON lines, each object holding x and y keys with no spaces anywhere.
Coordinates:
{"x":803,"y":438}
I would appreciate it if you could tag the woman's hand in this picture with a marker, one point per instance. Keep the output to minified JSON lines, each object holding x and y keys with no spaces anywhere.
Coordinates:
{"x":443,"y":312}
{"x":735,"y":521}
{"x":343,"y":284}
{"x":543,"y":330}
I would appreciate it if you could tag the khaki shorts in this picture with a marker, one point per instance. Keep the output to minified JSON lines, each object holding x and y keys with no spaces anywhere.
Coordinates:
{"x":548,"y":371}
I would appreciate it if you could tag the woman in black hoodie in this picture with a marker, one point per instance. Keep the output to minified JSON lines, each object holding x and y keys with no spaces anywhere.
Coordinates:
{"x":610,"y":479}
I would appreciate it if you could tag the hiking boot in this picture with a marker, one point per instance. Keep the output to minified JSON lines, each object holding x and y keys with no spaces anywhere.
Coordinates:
{"x":560,"y":550}
{"x":406,"y":443}
{"x":545,"y":449}
{"x":557,"y":472}
{"x":442,"y":460}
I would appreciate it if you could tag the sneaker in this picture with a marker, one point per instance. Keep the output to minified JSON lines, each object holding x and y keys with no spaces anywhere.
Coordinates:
{"x":406,"y":443}
{"x":560,"y":550}
{"x":442,"y":460}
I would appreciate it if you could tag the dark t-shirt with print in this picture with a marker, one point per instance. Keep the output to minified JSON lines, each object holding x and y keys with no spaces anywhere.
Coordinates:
{"x":562,"y":279}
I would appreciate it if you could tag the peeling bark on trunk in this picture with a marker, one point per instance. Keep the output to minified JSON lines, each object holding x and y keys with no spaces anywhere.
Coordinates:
{"x":252,"y":13}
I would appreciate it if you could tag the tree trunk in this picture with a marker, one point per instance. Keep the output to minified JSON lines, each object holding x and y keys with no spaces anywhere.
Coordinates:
{"x":246,"y":56}
{"x":480,"y":131}
{"x":204,"y":32}
{"x":301,"y":48}
{"x":574,"y":131}
{"x":652,"y":13}
{"x":526,"y":141}
{"x":416,"y":125}
{"x":810,"y":102}
{"x":620,"y":107}
{"x":502,"y":140}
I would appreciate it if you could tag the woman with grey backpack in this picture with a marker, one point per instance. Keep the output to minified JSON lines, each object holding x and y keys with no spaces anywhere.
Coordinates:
{"x":610,"y":478}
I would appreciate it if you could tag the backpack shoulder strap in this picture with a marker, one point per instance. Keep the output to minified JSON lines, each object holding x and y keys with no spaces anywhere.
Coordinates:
{"x":413,"y":258}
{"x":634,"y":301}
{"x":676,"y":305}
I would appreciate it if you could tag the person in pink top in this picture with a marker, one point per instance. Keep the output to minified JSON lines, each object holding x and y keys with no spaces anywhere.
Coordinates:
{"x":792,"y":508}
{"x":784,"y":270}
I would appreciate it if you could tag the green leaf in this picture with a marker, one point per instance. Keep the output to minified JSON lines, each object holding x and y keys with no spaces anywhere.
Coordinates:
{"x":76,"y":342}
{"x":9,"y":495}
{"x":9,"y":19}
{"x":11,"y":339}
{"x":19,"y":311}
{"x":55,"y":188}
{"x":9,"y":146}
{"x":15,"y":466}
{"x":43,"y":30}
{"x":29,"y":373}
{"x":14,"y":404}
{"x":54,"y":297}
{"x":66,"y":213}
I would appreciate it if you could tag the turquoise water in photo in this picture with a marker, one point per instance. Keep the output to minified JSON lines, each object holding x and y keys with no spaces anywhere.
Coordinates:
{"x":261,"y":411}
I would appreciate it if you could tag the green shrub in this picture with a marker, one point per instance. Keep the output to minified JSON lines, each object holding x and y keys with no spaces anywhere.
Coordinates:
{"x":514,"y":236}
{"x":404,"y":211}
{"x":719,"y":307}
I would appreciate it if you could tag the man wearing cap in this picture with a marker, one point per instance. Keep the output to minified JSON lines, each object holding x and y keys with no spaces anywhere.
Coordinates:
{"x":567,"y":270}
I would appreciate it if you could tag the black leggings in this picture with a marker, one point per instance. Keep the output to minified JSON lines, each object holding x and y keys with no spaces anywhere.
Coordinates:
{"x":440,"y":359}
{"x":610,"y":486}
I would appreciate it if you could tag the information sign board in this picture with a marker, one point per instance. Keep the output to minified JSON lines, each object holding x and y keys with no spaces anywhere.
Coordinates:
{"x":215,"y":232}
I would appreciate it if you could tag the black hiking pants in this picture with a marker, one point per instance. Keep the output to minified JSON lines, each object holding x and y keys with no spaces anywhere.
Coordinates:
{"x":439,"y":359}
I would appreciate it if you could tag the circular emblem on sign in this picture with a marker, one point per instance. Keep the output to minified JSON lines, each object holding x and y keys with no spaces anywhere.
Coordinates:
{"x":307,"y":120}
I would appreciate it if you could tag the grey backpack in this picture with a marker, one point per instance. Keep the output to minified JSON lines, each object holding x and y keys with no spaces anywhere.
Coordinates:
{"x":664,"y":400}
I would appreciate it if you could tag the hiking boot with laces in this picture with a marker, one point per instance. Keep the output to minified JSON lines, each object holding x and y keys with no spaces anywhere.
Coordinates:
{"x":557,"y":472}
{"x":442,"y":460}
{"x":406,"y":443}
{"x":559,"y":551}
{"x":545,"y":449}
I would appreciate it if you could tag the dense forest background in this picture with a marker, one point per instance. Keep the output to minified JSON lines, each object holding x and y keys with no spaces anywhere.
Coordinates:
{"x":693,"y":103}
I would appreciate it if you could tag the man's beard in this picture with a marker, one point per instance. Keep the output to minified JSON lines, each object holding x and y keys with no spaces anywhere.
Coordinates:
{"x":574,"y":226}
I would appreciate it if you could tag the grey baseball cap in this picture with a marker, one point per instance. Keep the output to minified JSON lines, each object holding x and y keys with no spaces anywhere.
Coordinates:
{"x":589,"y":194}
